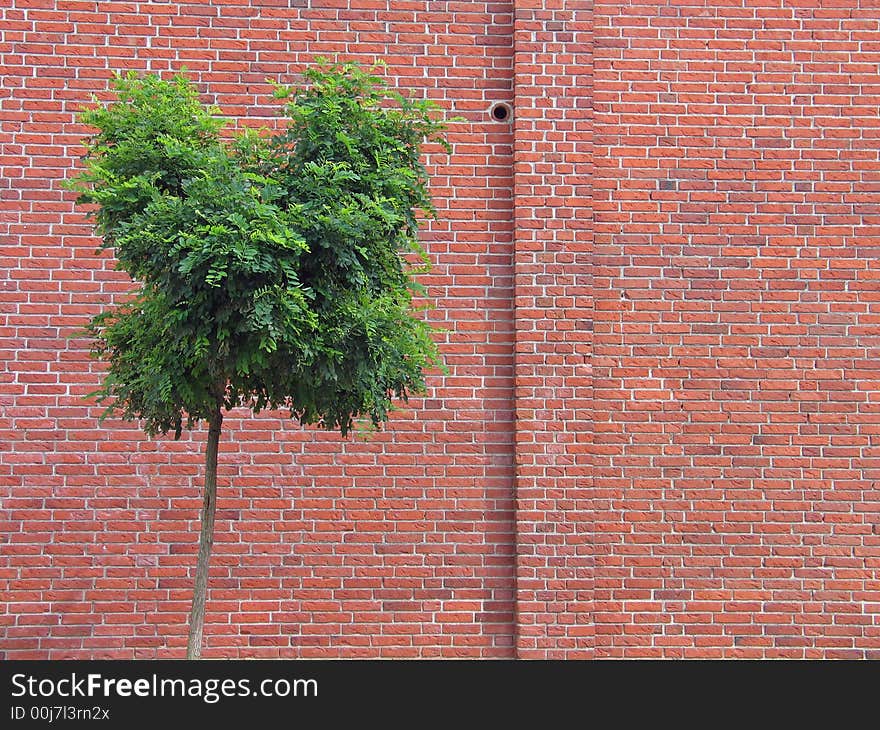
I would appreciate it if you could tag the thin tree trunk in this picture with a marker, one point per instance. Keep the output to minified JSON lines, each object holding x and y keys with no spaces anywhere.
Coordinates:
{"x":206,"y":540}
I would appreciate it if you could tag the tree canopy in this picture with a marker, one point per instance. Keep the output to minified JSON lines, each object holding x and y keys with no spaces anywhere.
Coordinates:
{"x":273,"y":268}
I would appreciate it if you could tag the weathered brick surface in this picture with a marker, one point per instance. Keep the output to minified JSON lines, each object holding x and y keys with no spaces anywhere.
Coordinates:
{"x":659,"y":434}
{"x":737,"y":329}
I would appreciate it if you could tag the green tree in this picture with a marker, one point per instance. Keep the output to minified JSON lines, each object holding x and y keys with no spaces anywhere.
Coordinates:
{"x":272,"y":269}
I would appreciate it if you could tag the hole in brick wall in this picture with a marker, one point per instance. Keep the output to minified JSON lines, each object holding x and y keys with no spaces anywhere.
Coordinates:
{"x":501,"y":111}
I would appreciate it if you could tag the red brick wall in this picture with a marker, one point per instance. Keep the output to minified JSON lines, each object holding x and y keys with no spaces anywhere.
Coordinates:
{"x":400,"y":546}
{"x":659,"y":434}
{"x":737,"y":330}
